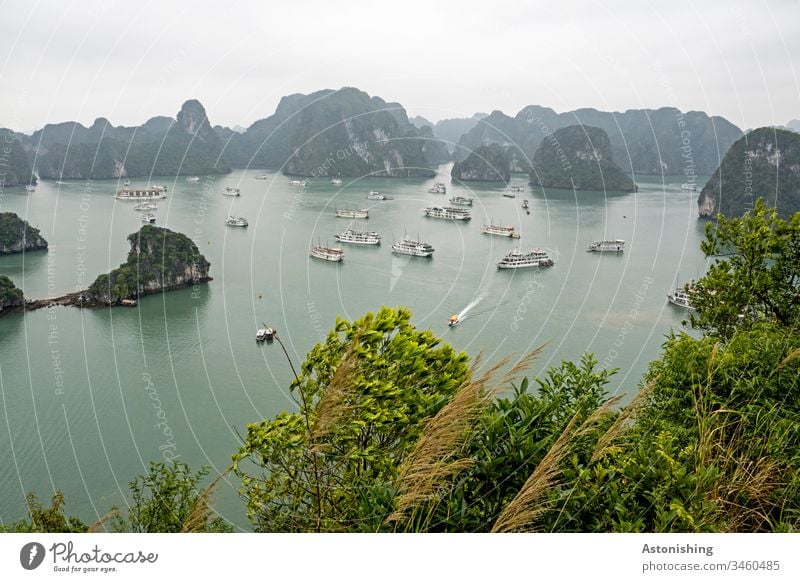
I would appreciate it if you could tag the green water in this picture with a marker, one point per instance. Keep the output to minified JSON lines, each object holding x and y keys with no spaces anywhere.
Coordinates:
{"x":89,"y":397}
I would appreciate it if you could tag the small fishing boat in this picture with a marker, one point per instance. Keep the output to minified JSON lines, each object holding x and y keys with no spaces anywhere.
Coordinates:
{"x":265,"y":333}
{"x":262,"y":177}
{"x":233,"y":221}
{"x":607,"y":246}
{"x":374,"y":195}
{"x":148,"y":218}
{"x":128,"y":302}
{"x":301,"y":183}
{"x":509,"y":195}
{"x":192,"y":179}
{"x":231,"y":191}
{"x":146,"y":205}
{"x":336,"y":181}
{"x":525,"y":204}
{"x":30,"y":188}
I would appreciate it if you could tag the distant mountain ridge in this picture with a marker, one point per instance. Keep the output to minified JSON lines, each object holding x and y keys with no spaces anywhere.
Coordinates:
{"x":185,"y":145}
{"x":643,"y":141}
{"x":765,"y":163}
{"x":337,"y":133}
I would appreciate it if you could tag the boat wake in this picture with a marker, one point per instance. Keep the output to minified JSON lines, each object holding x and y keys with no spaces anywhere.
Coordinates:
{"x":462,"y":315}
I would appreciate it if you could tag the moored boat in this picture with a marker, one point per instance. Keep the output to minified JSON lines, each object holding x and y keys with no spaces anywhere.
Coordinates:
{"x":374,"y":195}
{"x":499,"y":230}
{"x":607,"y":246}
{"x":689,"y":187}
{"x":682,"y":297}
{"x":231,"y":191}
{"x":265,"y":333}
{"x":301,"y":183}
{"x":359,"y":237}
{"x":234,"y":221}
{"x":148,"y":218}
{"x":415,"y":248}
{"x":352,"y":213}
{"x":525,"y":204}
{"x":448,"y":213}
{"x":518,"y":259}
{"x":461,"y":201}
{"x":192,"y":179}
{"x":30,"y":188}
{"x":509,"y":195}
{"x":150,"y":193}
{"x":327,"y":253}
{"x":438,"y":188}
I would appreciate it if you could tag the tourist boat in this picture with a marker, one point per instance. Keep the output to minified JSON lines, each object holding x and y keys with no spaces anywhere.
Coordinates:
{"x":30,"y":188}
{"x":148,"y":218}
{"x":516,"y":188}
{"x":336,"y":181}
{"x":447,"y":213}
{"x":498,"y":230}
{"x":231,"y":191}
{"x":415,"y":248}
{"x":327,"y":253}
{"x":358,"y":237}
{"x":453,"y":321}
{"x":518,"y":259}
{"x":265,"y":333}
{"x":192,"y":179}
{"x":146,"y":205}
{"x":301,"y":183}
{"x":689,"y":187}
{"x":438,"y":188}
{"x":509,"y":195}
{"x":262,"y":177}
{"x":348,"y":213}
{"x":150,"y":193}
{"x":374,"y":195}
{"x":682,"y":297}
{"x":461,"y":201}
{"x":525,"y":204}
{"x":128,"y":302}
{"x":607,"y":246}
{"x":233,"y":221}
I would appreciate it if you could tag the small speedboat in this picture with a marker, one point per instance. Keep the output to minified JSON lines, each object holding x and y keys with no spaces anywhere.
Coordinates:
{"x":265,"y":334}
{"x":453,"y":321}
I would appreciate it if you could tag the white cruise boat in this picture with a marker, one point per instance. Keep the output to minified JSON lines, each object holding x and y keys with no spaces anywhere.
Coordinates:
{"x":354,"y":213}
{"x":374,"y":195}
{"x":461,"y":201}
{"x":231,"y":191}
{"x":498,"y":230}
{"x":448,"y":213}
{"x":518,"y":259}
{"x":30,"y":188}
{"x":607,"y":246}
{"x":146,"y":205}
{"x":148,"y":218}
{"x":265,"y":333}
{"x":327,"y":253}
{"x":414,"y":248}
{"x":336,"y":181}
{"x":438,"y":188}
{"x":358,"y":237}
{"x":682,"y":297}
{"x":149,"y":193}
{"x":192,"y":179}
{"x":233,"y":221}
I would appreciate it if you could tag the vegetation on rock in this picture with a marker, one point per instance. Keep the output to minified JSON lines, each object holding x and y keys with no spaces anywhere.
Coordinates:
{"x":16,"y":235}
{"x":488,"y":163}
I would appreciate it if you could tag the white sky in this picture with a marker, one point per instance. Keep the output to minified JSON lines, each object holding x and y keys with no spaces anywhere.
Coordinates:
{"x":128,"y":61}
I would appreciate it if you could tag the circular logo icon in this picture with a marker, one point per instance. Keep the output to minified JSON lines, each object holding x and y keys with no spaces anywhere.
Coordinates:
{"x":31,"y":555}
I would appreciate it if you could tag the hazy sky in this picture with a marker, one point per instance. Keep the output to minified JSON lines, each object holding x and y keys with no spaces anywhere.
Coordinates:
{"x":131,"y":60}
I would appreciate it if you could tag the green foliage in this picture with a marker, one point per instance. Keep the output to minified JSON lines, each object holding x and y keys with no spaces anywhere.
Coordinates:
{"x":765,"y":163}
{"x":9,"y":294}
{"x":45,"y":519}
{"x":755,"y":275}
{"x":14,"y":161}
{"x":167,"y":500}
{"x":16,"y":232}
{"x":580,"y":157}
{"x":364,"y":396}
{"x":159,"y":259}
{"x":487,"y":163}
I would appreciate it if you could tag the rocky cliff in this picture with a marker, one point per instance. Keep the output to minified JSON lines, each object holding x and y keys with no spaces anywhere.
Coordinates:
{"x":159,"y":260}
{"x":336,"y":133}
{"x":579,"y":157}
{"x":17,"y":236}
{"x":488,"y":163}
{"x":644,"y":141}
{"x":765,"y":163}
{"x":15,"y":167}
{"x":186,"y":145}
{"x":10,"y":296}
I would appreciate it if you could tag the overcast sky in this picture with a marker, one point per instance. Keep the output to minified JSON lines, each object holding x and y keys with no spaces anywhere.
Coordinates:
{"x":128,"y":61}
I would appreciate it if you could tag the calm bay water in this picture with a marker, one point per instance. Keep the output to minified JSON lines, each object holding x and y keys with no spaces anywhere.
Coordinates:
{"x":89,"y":397}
